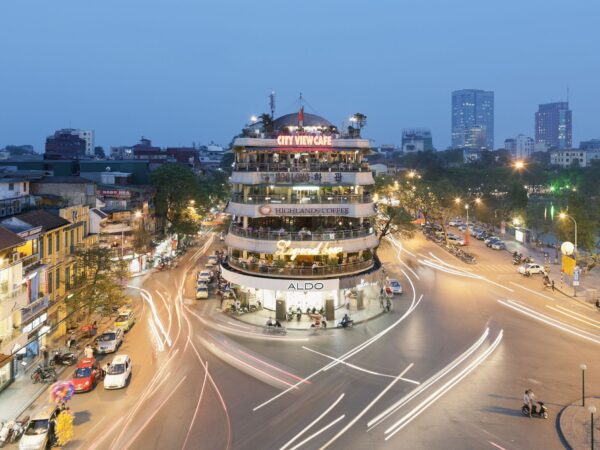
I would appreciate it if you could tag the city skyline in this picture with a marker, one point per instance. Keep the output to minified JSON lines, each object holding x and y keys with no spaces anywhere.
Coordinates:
{"x":191,"y":90}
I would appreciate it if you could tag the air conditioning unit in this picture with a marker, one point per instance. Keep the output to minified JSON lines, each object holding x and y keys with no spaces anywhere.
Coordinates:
{"x":14,"y":257}
{"x":10,"y":210}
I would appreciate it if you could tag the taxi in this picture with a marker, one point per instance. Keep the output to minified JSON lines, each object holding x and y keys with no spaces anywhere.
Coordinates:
{"x":87,"y":375}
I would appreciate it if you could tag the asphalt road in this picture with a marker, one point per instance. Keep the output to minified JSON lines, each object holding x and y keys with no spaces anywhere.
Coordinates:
{"x":446,"y":368}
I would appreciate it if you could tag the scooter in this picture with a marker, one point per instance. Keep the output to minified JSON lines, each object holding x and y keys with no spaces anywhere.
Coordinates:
{"x":5,"y":432}
{"x":346,"y":324}
{"x":63,"y":358}
{"x":18,"y":429}
{"x":43,"y":375}
{"x":542,"y":412}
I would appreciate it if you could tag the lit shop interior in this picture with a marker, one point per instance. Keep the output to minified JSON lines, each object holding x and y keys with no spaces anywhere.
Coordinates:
{"x":307,"y":159}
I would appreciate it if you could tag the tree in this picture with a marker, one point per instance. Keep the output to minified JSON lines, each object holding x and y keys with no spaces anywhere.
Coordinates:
{"x":98,"y":282}
{"x":394,"y":219}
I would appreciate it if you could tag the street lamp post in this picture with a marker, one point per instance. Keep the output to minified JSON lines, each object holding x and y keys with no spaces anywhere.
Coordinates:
{"x":477,"y":201}
{"x":592,"y":410}
{"x":583,"y":368}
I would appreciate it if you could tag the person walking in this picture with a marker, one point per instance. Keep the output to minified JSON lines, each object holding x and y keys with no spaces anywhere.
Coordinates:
{"x":552,"y":285}
{"x":88,"y":351}
{"x":45,"y":355}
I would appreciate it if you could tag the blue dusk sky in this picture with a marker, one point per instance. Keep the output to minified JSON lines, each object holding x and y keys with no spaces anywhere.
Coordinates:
{"x":179,"y":71}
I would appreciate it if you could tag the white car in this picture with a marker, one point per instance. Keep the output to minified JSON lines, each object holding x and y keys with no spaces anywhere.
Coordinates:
{"x":109,"y":341}
{"x":531,"y":269}
{"x":36,"y":432}
{"x":498,"y":245}
{"x":118,"y":373}
{"x":456,"y":223}
{"x":213,"y":259}
{"x":201,"y":291}
{"x":204,"y":276}
{"x":395,"y":286}
{"x":490,"y":238}
{"x":455,"y":240}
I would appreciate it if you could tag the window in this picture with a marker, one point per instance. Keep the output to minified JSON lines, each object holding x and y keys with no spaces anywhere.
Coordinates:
{"x":41,"y":243}
{"x":11,"y":186}
{"x":50,"y":284}
{"x":57,"y":241}
{"x":68,"y":277}
{"x":50,"y":245}
{"x":57,"y":278}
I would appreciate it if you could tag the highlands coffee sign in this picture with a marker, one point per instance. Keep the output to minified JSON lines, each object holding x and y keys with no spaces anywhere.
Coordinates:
{"x":304,"y":141}
{"x":268,"y":210}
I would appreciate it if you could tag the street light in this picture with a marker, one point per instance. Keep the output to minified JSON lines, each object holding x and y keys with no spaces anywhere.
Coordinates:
{"x":519,"y":164}
{"x":583,"y":368}
{"x":477,"y":201}
{"x":138,"y":214}
{"x":592,"y":410}
{"x":563,"y":215}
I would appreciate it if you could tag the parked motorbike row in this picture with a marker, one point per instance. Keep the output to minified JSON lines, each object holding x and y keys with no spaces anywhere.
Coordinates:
{"x":44,"y":375}
{"x":12,"y":430}
{"x":519,"y":258}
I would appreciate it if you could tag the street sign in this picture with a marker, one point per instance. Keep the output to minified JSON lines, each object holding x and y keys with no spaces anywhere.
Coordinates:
{"x":576,"y":272}
{"x":568,"y":265}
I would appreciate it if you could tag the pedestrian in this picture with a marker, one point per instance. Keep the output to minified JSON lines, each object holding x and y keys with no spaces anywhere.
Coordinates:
{"x":45,"y":355}
{"x":88,"y":351}
{"x":552,"y":285}
{"x":52,"y":432}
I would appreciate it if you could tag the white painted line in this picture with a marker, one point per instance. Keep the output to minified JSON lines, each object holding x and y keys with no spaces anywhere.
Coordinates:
{"x":496,"y":445}
{"x":314,"y":435}
{"x":357,"y":367}
{"x":532,"y":291}
{"x":310,"y":425}
{"x":391,"y":431}
{"x":367,"y":408}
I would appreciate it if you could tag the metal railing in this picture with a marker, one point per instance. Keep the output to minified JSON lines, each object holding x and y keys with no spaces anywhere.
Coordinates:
{"x":322,"y":271}
{"x":301,"y":235}
{"x":314,"y":167}
{"x":238,"y":197}
{"x":34,"y":308}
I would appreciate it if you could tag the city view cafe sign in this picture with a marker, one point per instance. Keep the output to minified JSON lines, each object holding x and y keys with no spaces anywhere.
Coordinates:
{"x":305,"y":141}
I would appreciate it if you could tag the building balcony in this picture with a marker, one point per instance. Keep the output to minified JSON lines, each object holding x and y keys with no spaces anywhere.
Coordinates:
{"x":34,"y":308}
{"x":301,"y":235}
{"x":272,"y":208}
{"x":13,"y":300}
{"x":329,"y":177}
{"x":327,"y":271}
{"x":324,"y":199}
{"x":307,"y":167}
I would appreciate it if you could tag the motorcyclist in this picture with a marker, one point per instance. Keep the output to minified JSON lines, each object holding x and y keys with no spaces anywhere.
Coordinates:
{"x":345,"y":320}
{"x":528,"y":399}
{"x":270,"y":322}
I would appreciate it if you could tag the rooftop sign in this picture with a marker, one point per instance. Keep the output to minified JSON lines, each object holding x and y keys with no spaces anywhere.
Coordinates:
{"x":301,"y":140}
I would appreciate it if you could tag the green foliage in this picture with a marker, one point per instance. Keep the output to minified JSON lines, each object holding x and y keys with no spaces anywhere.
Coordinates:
{"x":99,"y":282}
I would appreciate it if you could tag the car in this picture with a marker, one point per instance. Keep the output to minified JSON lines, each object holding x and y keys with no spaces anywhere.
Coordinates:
{"x":498,"y":245}
{"x":531,"y":269}
{"x":109,"y":341}
{"x":118,"y":373}
{"x":481,"y":235}
{"x":86,"y":375}
{"x":201,"y":291}
{"x":475,"y":231}
{"x":455,"y":240}
{"x":213,"y":259}
{"x":204,"y":276}
{"x":221,"y":236}
{"x":490,"y":238}
{"x":36,"y":432}
{"x":125,"y":319}
{"x":395,"y":286}
{"x":455,"y":222}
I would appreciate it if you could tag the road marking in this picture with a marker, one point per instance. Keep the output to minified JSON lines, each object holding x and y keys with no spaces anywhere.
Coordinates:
{"x":551,"y":321}
{"x":368,"y":407}
{"x":314,"y":435}
{"x":359,"y":368}
{"x":578,"y":314}
{"x":399,"y":425}
{"x":567,"y":313}
{"x":437,"y":376}
{"x":97,"y":423}
{"x":310,"y":425}
{"x":532,"y":291}
{"x":496,"y":445}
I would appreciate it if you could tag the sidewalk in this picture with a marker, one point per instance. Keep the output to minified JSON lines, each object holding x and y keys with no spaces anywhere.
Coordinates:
{"x":22,"y":393}
{"x":372,"y":309}
{"x":575,"y":424}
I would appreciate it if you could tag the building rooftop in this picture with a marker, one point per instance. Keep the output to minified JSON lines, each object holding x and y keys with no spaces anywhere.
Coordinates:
{"x":291,"y":120}
{"x":75,"y":179}
{"x":40,"y":217}
{"x":9,"y":239}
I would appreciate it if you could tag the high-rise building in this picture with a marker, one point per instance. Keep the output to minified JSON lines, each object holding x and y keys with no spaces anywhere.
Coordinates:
{"x":64,"y":144}
{"x":592,"y":144}
{"x":473,"y":119}
{"x":416,"y":140}
{"x":553,"y":125}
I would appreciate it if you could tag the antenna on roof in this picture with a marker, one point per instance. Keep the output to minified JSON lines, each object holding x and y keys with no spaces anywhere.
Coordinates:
{"x":272,"y":103}
{"x":567,"y":94}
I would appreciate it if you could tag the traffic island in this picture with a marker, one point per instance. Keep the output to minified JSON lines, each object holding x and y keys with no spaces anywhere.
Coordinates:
{"x":575,"y":424}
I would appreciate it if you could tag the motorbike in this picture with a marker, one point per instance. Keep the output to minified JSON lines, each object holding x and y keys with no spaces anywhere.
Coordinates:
{"x":63,"y":358}
{"x":289,"y":316}
{"x":18,"y":429}
{"x":43,"y":375}
{"x":388,"y":305}
{"x":5,"y":432}
{"x":541,"y":412}
{"x":345,"y":324}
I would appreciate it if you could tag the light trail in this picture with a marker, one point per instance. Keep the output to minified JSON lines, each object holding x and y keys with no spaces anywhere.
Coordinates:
{"x":187,"y":436}
{"x":532,"y":291}
{"x":578,"y":314}
{"x":148,"y":297}
{"x":399,"y":247}
{"x":158,"y":342}
{"x":395,"y":428}
{"x":574,"y":315}
{"x":551,"y":321}
{"x":314,"y":435}
{"x":310,"y":425}
{"x":433,"y":379}
{"x":361,"y":369}
{"x":271,"y":366}
{"x":168,"y":309}
{"x":367,"y":408}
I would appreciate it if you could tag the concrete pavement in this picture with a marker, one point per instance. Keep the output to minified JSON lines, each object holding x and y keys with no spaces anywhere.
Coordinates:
{"x":576,"y":424}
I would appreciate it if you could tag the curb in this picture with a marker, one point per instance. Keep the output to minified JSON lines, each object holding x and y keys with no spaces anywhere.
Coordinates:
{"x":559,"y":430}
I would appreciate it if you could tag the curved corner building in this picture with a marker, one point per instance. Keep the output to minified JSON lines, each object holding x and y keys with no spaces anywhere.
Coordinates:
{"x":302,"y":231}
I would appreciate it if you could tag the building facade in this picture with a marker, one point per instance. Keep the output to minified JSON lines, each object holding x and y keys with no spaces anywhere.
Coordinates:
{"x":416,"y":140}
{"x":302,"y":232}
{"x":553,"y":125}
{"x":473,"y":119}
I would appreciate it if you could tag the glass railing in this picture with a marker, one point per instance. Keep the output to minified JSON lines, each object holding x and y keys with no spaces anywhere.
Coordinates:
{"x":300,"y":235}
{"x":310,"y":167}
{"x":300,"y":199}
{"x":266,"y":268}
